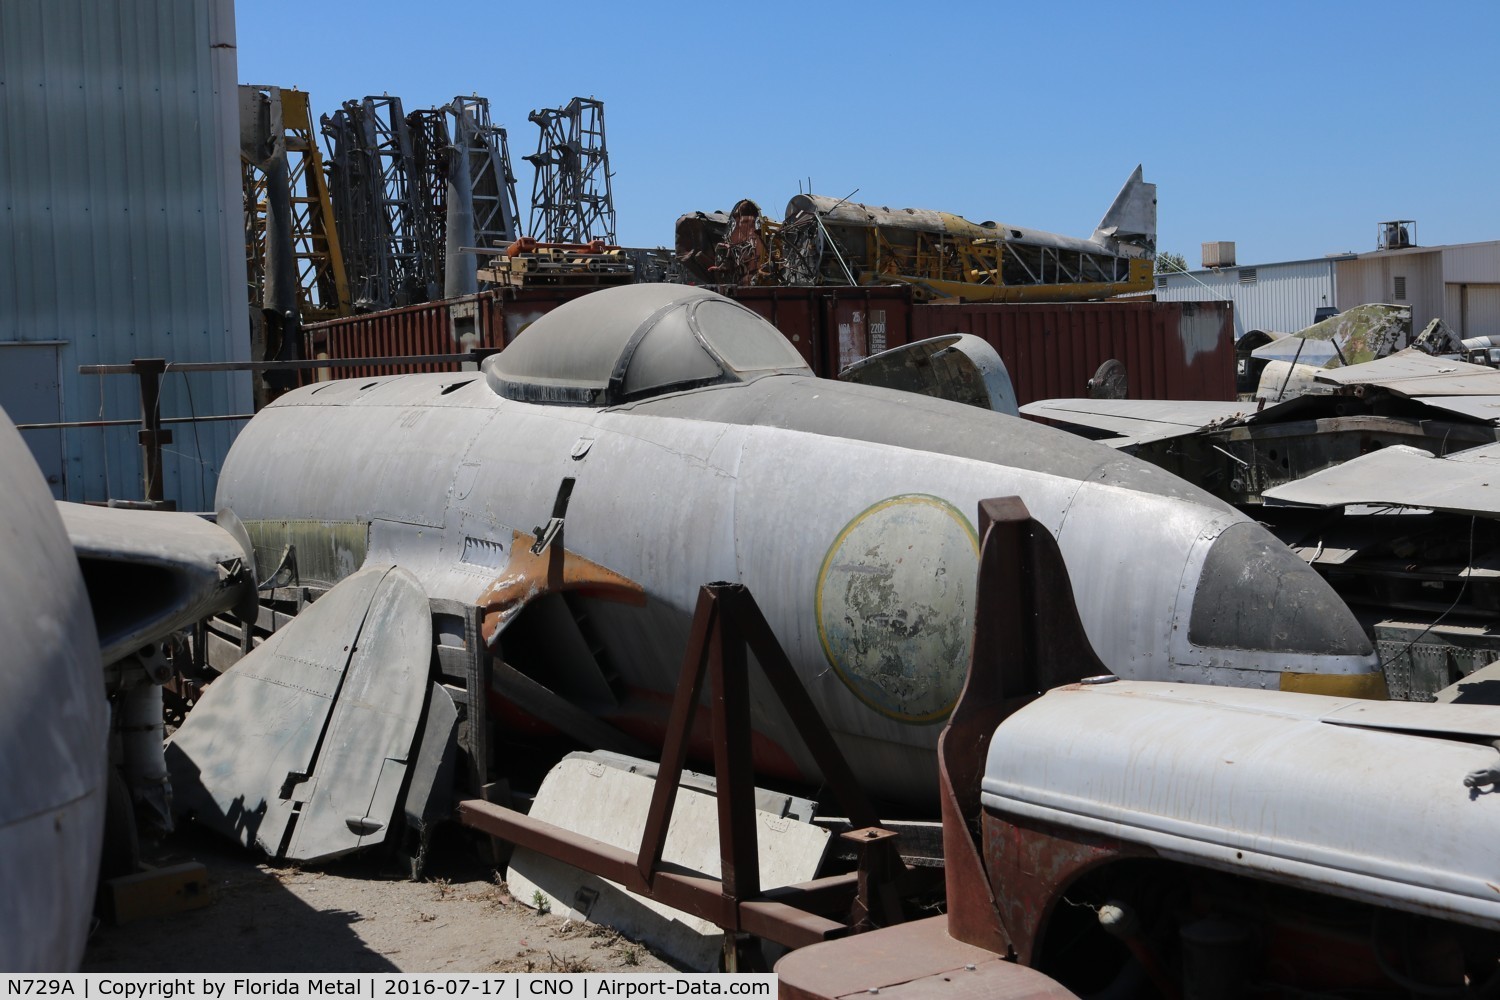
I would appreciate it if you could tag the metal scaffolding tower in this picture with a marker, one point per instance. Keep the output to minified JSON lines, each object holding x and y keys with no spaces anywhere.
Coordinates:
{"x":431,"y":152}
{"x":409,"y":190}
{"x":485,"y":148}
{"x":571,"y":200}
{"x":380,"y":204}
{"x":287,"y":199}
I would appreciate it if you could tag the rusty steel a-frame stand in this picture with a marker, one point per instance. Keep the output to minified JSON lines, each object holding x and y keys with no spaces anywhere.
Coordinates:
{"x":727,"y":622}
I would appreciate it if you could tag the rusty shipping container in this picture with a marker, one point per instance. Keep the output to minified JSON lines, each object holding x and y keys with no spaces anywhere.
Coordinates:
{"x":1171,"y":350}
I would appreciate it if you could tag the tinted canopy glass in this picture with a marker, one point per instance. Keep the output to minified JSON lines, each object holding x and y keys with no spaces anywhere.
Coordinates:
{"x":638,"y":341}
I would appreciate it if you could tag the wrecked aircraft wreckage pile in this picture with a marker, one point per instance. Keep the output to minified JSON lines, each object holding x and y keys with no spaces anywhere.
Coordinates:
{"x":836,"y":241}
{"x":520,"y":555}
{"x":1370,"y":462}
{"x":455,"y":565}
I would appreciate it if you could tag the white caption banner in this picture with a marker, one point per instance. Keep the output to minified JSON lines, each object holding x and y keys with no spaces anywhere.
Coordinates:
{"x":386,"y":986}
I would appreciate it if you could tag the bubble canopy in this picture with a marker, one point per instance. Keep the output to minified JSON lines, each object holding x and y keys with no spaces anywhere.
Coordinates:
{"x":638,"y":341}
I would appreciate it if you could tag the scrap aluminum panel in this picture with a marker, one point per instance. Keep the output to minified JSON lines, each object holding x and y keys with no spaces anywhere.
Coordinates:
{"x":592,"y":798}
{"x":153,"y":572}
{"x":1486,"y":408}
{"x":1353,"y":337}
{"x":1465,"y":483}
{"x":1359,"y":799}
{"x":1413,"y":373}
{"x":1138,"y":421}
{"x":962,"y":368}
{"x":301,"y":748}
{"x":1420,"y":659}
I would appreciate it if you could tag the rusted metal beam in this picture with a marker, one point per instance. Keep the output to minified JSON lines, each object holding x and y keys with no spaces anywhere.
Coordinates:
{"x":1028,"y":638}
{"x":679,"y":727}
{"x":696,"y":895}
{"x":827,"y":895}
{"x":152,"y":437}
{"x":726,"y":623}
{"x":283,"y":366}
{"x":878,"y":864}
{"x":729,"y":705}
{"x":788,"y":925}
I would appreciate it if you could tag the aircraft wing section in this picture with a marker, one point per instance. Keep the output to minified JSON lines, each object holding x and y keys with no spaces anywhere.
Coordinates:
{"x":150,"y":573}
{"x":302,"y":747}
{"x":1486,"y":408}
{"x":1399,"y":476}
{"x":1137,"y":421}
{"x":1413,"y":373}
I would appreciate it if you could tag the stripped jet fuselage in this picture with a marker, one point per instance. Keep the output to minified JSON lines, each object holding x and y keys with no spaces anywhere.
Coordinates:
{"x":682,"y":441}
{"x":53,"y":725}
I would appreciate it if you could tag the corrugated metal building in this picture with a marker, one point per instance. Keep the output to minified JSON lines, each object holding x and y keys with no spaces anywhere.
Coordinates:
{"x":1283,"y":296}
{"x":123,"y":234}
{"x":1459,"y":283}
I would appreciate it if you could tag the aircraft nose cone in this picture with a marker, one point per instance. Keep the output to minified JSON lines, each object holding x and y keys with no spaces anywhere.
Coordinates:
{"x":1255,"y":594}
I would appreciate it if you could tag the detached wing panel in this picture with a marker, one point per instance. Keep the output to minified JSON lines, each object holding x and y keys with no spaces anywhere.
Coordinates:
{"x":286,"y":750}
{"x":361,"y":769}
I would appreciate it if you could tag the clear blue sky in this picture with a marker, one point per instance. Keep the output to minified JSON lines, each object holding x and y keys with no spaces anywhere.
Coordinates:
{"x":1290,"y":128}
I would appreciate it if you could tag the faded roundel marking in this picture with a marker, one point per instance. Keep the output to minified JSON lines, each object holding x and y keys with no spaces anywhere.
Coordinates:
{"x":895,"y":604}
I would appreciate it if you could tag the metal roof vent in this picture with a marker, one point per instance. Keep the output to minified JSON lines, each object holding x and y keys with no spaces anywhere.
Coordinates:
{"x":1247,"y":276}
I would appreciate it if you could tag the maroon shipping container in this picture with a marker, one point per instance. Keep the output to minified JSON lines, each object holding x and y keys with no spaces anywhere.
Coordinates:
{"x":1170,"y":350}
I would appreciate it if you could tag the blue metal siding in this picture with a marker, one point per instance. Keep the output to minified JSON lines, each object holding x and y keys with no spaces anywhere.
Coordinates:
{"x":123,"y":232}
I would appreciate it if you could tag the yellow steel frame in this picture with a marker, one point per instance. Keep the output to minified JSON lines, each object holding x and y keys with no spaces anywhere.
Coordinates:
{"x":322,"y":282}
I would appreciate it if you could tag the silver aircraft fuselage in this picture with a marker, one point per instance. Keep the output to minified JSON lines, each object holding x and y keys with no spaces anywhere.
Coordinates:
{"x":847,"y":510}
{"x":54,"y":723}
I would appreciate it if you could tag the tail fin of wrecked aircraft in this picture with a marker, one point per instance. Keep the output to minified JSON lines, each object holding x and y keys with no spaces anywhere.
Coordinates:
{"x":1131,"y":219}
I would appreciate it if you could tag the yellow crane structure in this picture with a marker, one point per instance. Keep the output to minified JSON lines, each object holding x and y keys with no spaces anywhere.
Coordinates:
{"x":291,"y":244}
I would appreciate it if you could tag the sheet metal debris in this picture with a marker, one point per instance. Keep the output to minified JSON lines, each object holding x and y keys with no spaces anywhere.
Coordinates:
{"x":301,"y":748}
{"x":1464,"y":483}
{"x":1411,"y":373}
{"x":960,"y":367}
{"x":1138,"y":421}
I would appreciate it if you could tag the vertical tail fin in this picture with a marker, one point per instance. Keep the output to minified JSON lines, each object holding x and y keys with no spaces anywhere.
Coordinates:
{"x":1131,"y":220}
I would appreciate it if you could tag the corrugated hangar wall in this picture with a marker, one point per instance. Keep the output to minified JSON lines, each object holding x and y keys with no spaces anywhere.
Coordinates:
{"x":1283,"y":296}
{"x":123,"y":232}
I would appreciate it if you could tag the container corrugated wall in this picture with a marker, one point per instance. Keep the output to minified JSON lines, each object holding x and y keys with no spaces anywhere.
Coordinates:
{"x":1171,"y":350}
{"x":1176,"y":350}
{"x":814,"y":319}
{"x":124,"y":231}
{"x":487,"y":320}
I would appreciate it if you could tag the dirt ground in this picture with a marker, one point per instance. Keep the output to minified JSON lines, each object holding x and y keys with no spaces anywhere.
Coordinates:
{"x":351,"y":917}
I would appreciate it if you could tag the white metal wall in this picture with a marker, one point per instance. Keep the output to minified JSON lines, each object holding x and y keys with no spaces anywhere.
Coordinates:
{"x":1471,"y":272}
{"x":123,"y":232}
{"x":1283,"y":296}
{"x":1476,"y":309}
{"x":1472,"y":263}
{"x":1372,"y":278}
